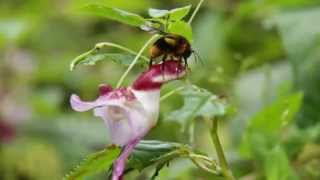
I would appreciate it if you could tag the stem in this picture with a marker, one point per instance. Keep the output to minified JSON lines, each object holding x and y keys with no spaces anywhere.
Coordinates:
{"x":195,"y":11}
{"x":168,"y":94}
{"x":103,"y":44}
{"x":201,"y":166}
{"x":136,"y":59}
{"x":96,"y":48}
{"x":220,"y":153}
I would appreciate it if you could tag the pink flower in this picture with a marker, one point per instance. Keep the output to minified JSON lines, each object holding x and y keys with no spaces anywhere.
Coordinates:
{"x":129,"y":113}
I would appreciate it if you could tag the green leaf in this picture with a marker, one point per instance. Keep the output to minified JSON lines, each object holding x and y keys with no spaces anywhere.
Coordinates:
{"x":280,"y":113}
{"x":182,"y":28}
{"x":158,"y":13}
{"x":198,"y":102}
{"x":301,"y":39}
{"x":277,"y":165}
{"x":264,"y":127}
{"x":174,"y":14}
{"x":179,"y":13}
{"x":92,"y":59}
{"x":95,"y":163}
{"x":147,"y":153}
{"x":116,"y":14}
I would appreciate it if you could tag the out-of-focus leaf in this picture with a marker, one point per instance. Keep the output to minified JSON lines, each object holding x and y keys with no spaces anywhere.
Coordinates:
{"x":182,"y":28}
{"x":301,"y":39}
{"x":115,"y":14}
{"x":92,"y":59}
{"x":278,"y":114}
{"x":95,"y":163}
{"x":277,"y":165}
{"x":12,"y":29}
{"x":174,"y":14}
{"x":198,"y":102}
{"x":268,"y":122}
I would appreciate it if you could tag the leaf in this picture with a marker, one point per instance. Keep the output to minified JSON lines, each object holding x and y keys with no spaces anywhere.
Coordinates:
{"x":182,"y":28}
{"x":174,"y":14}
{"x":149,"y":152}
{"x":301,"y":39}
{"x":280,"y":113}
{"x":179,"y":13}
{"x":92,"y":59}
{"x":157,"y":13}
{"x":277,"y":165}
{"x":261,"y":133}
{"x":116,"y":14}
{"x":95,"y":163}
{"x":198,"y":102}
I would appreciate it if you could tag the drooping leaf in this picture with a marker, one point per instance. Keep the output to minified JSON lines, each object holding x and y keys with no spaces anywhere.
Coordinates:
{"x":95,"y":163}
{"x":149,"y":152}
{"x":301,"y":39}
{"x":277,"y":165}
{"x":198,"y":102}
{"x":264,"y":127}
{"x":92,"y":59}
{"x":115,"y":14}
{"x":182,"y":28}
{"x":174,"y":14}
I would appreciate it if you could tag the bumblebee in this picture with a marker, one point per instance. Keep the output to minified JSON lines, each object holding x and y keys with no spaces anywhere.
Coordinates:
{"x":172,"y":45}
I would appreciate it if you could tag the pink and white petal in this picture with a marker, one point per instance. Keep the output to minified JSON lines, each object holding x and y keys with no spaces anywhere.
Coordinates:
{"x":117,"y":122}
{"x":78,"y":105}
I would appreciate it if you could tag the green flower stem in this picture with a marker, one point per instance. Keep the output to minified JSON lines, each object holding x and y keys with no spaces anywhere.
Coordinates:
{"x":136,"y":59}
{"x":220,"y":153}
{"x":104,"y":44}
{"x":99,"y":46}
{"x":203,"y":167}
{"x":168,"y":94}
{"x":195,"y":11}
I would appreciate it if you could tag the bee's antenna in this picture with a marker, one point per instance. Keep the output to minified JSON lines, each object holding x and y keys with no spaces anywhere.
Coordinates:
{"x":197,"y":56}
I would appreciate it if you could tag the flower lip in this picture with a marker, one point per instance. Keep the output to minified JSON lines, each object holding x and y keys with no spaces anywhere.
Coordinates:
{"x":170,"y":67}
{"x":159,"y":74}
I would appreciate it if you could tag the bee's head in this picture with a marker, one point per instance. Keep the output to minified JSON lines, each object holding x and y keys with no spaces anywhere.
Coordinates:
{"x":159,"y":74}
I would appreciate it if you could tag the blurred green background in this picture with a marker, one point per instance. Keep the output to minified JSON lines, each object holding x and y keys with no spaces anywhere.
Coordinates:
{"x":256,"y":54}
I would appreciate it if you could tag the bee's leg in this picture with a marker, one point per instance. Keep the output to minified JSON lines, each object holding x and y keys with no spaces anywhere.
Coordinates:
{"x":150,"y":62}
{"x":179,"y":66}
{"x":162,"y":61}
{"x":162,"y":64}
{"x":186,"y":64}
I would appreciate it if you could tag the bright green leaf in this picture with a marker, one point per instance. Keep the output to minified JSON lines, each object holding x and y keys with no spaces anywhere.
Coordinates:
{"x":198,"y":102}
{"x":179,"y":13}
{"x":278,"y":114}
{"x":182,"y":28}
{"x":174,"y":14}
{"x":95,"y":163}
{"x":266,"y":124}
{"x":116,"y":14}
{"x":277,"y":165}
{"x":157,"y":13}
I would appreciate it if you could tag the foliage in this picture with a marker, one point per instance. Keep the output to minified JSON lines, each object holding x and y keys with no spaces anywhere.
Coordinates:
{"x":261,"y":58}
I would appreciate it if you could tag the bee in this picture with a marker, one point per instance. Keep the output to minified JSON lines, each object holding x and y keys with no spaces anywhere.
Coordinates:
{"x":171,"y":45}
